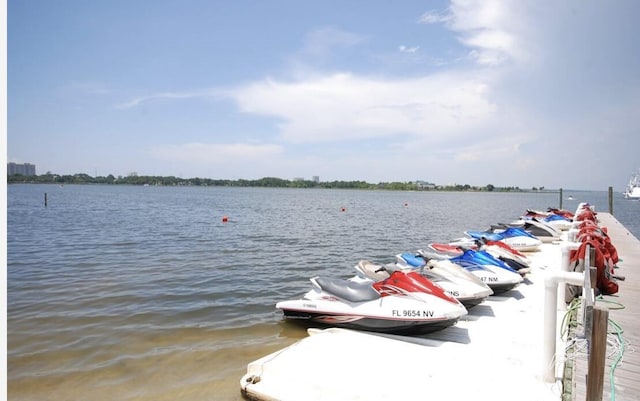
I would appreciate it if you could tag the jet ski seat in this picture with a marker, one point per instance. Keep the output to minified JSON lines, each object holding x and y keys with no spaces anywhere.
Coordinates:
{"x":413,"y":260}
{"x":350,"y":290}
{"x":375,"y":271}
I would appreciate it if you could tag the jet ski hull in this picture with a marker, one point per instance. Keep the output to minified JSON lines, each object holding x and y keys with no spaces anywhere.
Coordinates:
{"x":471,"y":302}
{"x":367,"y":323}
{"x":493,"y":279}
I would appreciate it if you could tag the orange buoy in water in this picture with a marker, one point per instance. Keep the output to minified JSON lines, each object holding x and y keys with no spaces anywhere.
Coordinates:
{"x":225,"y":219}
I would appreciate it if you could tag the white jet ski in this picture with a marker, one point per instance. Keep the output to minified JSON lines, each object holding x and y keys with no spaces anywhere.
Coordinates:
{"x":401,"y":303}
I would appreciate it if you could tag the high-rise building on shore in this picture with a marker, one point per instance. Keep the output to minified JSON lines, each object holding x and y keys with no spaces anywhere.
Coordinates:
{"x":26,"y":169}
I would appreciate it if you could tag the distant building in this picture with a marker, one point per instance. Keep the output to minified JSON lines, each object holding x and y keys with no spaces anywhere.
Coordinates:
{"x":425,"y":185}
{"x":315,"y":178}
{"x":25,"y":169}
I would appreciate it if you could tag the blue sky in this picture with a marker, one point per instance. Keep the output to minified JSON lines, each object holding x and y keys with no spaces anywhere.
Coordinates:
{"x":509,"y":93}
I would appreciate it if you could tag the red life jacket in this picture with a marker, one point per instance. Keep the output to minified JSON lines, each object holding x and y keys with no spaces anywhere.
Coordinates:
{"x":603,"y":263}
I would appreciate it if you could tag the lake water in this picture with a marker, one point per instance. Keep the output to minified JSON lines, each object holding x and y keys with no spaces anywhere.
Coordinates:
{"x":145,"y":293}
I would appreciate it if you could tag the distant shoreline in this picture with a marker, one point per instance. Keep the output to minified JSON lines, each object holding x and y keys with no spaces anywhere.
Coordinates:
{"x":266,"y":182}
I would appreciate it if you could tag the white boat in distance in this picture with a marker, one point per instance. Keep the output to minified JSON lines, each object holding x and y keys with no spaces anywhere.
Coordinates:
{"x":633,"y":187}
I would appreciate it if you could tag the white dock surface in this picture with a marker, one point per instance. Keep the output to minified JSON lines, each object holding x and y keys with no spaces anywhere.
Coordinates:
{"x":495,"y":352}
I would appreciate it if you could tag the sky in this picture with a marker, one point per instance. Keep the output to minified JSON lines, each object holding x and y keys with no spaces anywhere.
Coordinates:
{"x":538,"y":93}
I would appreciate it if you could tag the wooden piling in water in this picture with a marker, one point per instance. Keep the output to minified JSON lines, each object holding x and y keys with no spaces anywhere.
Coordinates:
{"x":45,"y":199}
{"x":560,"y":207}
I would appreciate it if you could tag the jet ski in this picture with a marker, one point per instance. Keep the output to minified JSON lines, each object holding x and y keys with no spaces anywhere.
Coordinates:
{"x":455,"y":280}
{"x":499,"y":276}
{"x":401,"y":303}
{"x":561,"y":212}
{"x":441,"y":251}
{"x":560,"y":220}
{"x":515,"y":259}
{"x":541,"y":230}
{"x":515,"y":237}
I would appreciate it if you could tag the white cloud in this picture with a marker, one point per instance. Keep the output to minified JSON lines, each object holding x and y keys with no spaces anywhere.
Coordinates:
{"x":340,"y":107}
{"x":487,"y":27}
{"x":165,"y":96}
{"x":434,"y":17}
{"x":406,"y":49}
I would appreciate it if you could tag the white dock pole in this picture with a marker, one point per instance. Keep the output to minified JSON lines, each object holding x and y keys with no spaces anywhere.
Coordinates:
{"x":550,"y":319}
{"x":549,"y":338}
{"x":564,"y":266}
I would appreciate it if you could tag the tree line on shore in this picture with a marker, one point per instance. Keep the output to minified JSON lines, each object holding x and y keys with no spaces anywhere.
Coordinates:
{"x":273,"y":182}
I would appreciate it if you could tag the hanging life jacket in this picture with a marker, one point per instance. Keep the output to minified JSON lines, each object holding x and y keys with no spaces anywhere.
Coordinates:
{"x":605,"y":283}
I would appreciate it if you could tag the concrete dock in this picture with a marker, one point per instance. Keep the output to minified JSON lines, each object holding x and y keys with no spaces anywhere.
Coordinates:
{"x":495,"y":352}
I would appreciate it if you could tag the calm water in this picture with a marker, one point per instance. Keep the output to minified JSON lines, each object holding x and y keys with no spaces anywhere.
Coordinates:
{"x":144,"y":293}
